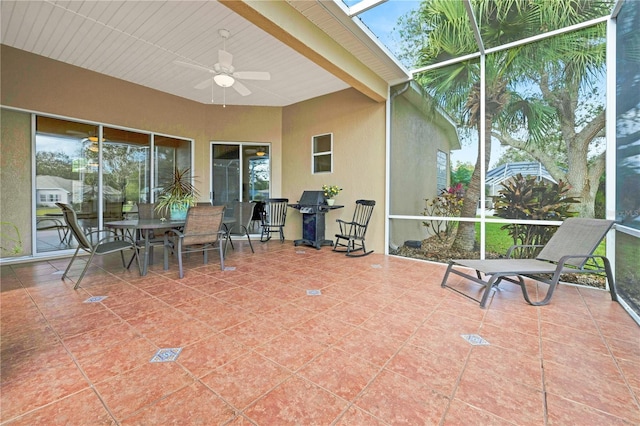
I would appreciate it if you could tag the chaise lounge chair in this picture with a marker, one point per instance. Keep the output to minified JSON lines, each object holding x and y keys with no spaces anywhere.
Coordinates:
{"x":569,"y":251}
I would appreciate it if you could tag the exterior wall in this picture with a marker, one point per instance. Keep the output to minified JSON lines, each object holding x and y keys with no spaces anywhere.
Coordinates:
{"x":35,"y":83}
{"x":358,"y":127}
{"x":15,"y":179}
{"x":415,"y":141}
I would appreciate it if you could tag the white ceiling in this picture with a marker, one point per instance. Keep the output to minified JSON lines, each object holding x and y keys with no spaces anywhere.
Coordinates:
{"x":138,"y":41}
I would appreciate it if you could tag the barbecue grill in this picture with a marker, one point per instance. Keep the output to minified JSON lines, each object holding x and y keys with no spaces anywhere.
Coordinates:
{"x":313,"y":206}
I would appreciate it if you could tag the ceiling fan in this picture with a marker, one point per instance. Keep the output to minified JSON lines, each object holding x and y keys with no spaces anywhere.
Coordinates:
{"x":87,"y":137}
{"x":223,"y":72}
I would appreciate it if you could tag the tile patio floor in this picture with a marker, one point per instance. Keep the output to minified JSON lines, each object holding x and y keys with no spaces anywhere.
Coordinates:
{"x":381,"y":345}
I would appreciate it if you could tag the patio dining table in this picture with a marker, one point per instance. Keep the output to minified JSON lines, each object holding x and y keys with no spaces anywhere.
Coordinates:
{"x":145,"y":226}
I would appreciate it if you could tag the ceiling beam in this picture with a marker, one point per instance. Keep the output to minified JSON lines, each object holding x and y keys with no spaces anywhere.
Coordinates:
{"x":286,"y":24}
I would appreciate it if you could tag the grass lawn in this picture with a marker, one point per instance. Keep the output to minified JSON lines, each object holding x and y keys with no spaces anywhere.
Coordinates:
{"x":499,"y":241}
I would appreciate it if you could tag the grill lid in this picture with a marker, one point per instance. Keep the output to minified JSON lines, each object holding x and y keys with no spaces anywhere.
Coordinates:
{"x":312,"y":198}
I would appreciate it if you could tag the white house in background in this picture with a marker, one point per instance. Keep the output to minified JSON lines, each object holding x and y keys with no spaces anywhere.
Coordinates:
{"x":53,"y":189}
{"x":506,"y":171}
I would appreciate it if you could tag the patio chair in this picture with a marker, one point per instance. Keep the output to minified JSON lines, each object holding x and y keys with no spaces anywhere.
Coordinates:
{"x":242,"y":216}
{"x":350,"y":239}
{"x":257,"y":214}
{"x":110,"y":243}
{"x":569,"y":251}
{"x":203,"y":231}
{"x":45,"y":223}
{"x":273,"y":218}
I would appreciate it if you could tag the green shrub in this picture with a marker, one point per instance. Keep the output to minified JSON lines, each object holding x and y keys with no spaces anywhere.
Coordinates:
{"x":447,"y":204}
{"x":526,"y":198}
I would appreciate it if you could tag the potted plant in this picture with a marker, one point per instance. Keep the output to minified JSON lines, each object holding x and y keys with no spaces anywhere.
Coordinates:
{"x":177,"y":196}
{"x":330,"y":191}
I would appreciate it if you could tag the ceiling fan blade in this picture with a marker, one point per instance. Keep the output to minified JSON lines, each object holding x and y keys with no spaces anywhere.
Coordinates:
{"x":193,"y":66}
{"x":252,"y":75}
{"x":203,"y":85}
{"x":225,"y":58}
{"x":241,"y":88}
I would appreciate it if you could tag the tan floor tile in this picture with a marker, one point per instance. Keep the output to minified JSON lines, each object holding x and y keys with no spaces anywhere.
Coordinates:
{"x":127,"y":393}
{"x":191,"y":405}
{"x":83,"y":408}
{"x":384,"y":334}
{"x":502,"y":397}
{"x":339,"y":372}
{"x":587,"y":388}
{"x":296,"y":402}
{"x":245,"y":379}
{"x":394,"y":399}
{"x":209,"y":353}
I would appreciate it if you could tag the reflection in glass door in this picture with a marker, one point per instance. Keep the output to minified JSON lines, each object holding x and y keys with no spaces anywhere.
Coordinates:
{"x":239,"y":172}
{"x":102,"y":172}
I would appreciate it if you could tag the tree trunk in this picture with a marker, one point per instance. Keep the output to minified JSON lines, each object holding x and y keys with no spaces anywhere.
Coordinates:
{"x":466,"y":236}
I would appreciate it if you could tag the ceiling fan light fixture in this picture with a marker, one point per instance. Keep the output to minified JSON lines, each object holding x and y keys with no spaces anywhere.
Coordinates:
{"x":261,"y":152}
{"x":224,"y":80}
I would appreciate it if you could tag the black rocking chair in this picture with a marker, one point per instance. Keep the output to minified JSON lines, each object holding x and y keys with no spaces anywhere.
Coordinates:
{"x":273,"y":218}
{"x":353,"y":232}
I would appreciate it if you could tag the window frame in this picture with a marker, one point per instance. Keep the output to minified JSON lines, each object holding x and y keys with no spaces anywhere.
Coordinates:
{"x":315,"y":154}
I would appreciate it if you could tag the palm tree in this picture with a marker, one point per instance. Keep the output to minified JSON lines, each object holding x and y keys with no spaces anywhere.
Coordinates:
{"x":440,"y":30}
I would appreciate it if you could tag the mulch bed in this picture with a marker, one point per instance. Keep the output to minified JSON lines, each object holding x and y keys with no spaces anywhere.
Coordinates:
{"x":439,"y":250}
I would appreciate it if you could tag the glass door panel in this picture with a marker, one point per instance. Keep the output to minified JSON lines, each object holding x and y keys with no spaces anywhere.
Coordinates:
{"x":125,"y":160}
{"x":240,"y":172}
{"x":255,"y":173}
{"x":225,"y":173}
{"x":66,"y":172}
{"x":169,"y":154}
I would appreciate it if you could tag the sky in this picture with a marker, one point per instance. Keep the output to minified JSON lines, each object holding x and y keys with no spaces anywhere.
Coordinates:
{"x":382,"y":20}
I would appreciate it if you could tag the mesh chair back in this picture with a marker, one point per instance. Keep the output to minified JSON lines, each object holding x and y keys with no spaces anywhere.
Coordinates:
{"x":576,"y":236}
{"x":275,"y":211}
{"x":203,"y":224}
{"x":362,"y":216}
{"x":112,"y":211}
{"x":71,"y":220}
{"x":243,"y":214}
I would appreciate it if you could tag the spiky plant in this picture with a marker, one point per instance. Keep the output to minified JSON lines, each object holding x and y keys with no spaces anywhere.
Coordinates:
{"x":179,"y":193}
{"x":526,"y":198}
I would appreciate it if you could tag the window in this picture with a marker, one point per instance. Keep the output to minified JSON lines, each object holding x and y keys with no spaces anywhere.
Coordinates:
{"x":441,"y":170}
{"x":101,"y":171}
{"x":322,"y":153}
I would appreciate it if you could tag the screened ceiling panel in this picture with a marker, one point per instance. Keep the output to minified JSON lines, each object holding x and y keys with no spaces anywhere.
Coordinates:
{"x":498,"y":22}
{"x":503,"y":22}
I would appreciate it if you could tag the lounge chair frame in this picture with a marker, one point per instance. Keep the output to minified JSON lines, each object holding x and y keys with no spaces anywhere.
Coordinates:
{"x":569,"y":251}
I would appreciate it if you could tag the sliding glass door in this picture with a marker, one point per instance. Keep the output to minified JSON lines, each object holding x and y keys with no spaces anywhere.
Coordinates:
{"x":102,"y":172}
{"x":239,"y":172}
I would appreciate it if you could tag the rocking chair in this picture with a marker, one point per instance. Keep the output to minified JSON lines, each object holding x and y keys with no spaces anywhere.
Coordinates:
{"x":353,"y":232}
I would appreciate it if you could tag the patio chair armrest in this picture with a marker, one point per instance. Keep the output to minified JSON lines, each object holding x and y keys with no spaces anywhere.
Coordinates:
{"x":563,"y":259}
{"x":113,"y":234}
{"x":517,"y":246}
{"x":344,"y":225}
{"x":168,"y":233}
{"x":43,"y":223}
